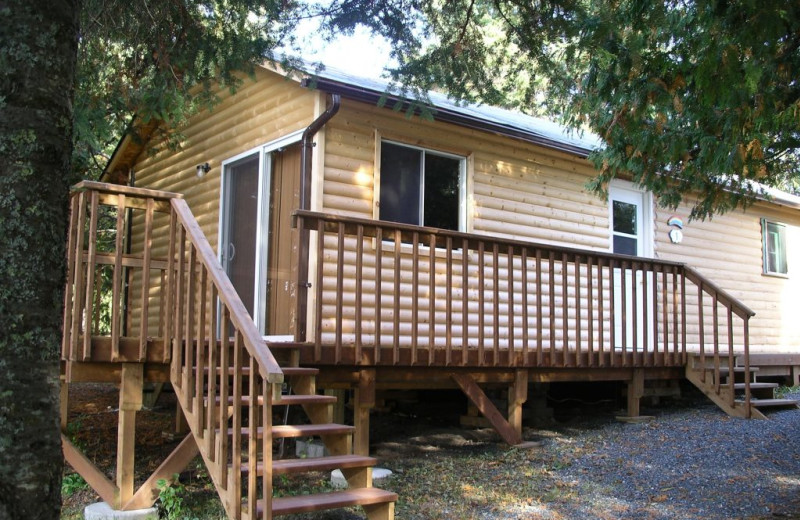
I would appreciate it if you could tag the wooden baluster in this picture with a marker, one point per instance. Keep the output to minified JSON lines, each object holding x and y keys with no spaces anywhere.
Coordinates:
{"x":235,"y":476}
{"x":664,"y":316}
{"x":731,"y":359}
{"x":116,"y":297}
{"x":746,"y":340}
{"x":162,"y":304}
{"x":449,"y":301}
{"x":146,"y":261}
{"x":624,"y":299}
{"x":511,"y":311}
{"x":675,"y":315}
{"x":496,"y":303}
{"x":552,"y":303}
{"x":191,"y":309}
{"x":172,"y":285}
{"x":565,"y":308}
{"x":359,"y":330}
{"x":224,"y":394}
{"x":524,"y":297}
{"x":432,"y":299}
{"x":215,"y":371}
{"x":601,"y":322}
{"x":647,"y":289}
{"x":539,"y":317}
{"x":590,"y":301}
{"x":320,"y":290}
{"x":91,"y":263}
{"x":464,"y":301}
{"x":339,"y":292}
{"x":683,"y":318}
{"x":253,"y":416}
{"x":200,"y":365}
{"x":635,"y":314}
{"x":578,"y":309}
{"x":396,"y":308}
{"x":414,"y":295}
{"x":177,"y":356}
{"x":481,"y":302}
{"x":715,"y":325}
{"x":701,"y":324}
{"x":266,"y":450}
{"x":378,"y":291}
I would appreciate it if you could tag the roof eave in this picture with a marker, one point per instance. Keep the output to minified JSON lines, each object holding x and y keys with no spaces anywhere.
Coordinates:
{"x":366,"y":95}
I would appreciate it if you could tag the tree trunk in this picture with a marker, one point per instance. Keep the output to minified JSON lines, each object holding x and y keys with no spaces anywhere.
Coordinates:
{"x":37,"y":72}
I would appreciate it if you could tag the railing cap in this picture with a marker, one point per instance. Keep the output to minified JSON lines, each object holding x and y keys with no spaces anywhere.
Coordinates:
{"x":125,"y":190}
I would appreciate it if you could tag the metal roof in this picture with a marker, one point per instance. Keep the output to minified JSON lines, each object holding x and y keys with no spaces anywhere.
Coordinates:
{"x":482,"y":117}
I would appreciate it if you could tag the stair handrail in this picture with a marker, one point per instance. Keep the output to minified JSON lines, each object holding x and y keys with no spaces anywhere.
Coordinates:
{"x":734,"y":306}
{"x":269,"y":368}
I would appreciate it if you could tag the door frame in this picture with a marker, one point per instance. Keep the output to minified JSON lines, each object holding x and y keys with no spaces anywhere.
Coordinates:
{"x":261,"y":263}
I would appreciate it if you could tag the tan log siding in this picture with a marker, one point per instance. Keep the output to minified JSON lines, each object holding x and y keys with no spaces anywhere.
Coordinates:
{"x":518,"y":191}
{"x":728,"y":251}
{"x":261,"y":111}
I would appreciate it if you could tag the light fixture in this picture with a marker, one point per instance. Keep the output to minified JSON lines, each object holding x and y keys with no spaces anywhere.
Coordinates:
{"x":202,"y":169}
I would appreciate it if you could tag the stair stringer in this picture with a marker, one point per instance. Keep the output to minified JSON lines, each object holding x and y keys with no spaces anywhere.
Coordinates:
{"x":721,"y":399}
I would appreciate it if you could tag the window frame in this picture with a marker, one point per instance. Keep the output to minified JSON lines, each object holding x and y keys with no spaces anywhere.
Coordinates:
{"x":765,"y":248}
{"x":463,"y":168}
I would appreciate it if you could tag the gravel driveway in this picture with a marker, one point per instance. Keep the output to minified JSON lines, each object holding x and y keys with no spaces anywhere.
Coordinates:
{"x":689,"y":463}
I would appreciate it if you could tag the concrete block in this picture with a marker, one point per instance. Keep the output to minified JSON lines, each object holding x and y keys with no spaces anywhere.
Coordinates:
{"x":310,"y":449}
{"x":103,"y":511}
{"x":339,"y":482}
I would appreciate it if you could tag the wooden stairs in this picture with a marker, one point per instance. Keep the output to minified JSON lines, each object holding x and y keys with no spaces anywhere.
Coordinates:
{"x":735,"y":389}
{"x":227,"y":458}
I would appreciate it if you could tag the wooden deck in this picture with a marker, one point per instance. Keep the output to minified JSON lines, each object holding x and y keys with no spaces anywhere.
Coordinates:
{"x":382,"y":306}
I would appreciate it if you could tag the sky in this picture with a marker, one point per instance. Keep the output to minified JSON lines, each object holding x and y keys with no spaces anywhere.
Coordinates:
{"x":359,"y":54}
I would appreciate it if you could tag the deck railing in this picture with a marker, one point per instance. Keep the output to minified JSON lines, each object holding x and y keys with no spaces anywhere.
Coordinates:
{"x":222,"y":370}
{"x":388,"y":293}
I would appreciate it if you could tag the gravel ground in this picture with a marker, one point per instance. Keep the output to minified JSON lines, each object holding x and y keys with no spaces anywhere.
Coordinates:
{"x":687,"y":463}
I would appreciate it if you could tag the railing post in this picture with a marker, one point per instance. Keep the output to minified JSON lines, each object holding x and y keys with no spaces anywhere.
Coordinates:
{"x":301,"y":316}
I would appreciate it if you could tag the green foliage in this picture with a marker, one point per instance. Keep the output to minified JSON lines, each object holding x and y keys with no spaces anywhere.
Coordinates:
{"x":170,"y":499}
{"x":696,"y":101}
{"x":72,"y":483}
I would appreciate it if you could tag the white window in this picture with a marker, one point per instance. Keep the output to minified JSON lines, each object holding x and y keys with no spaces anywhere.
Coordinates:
{"x":773,"y":238}
{"x":422,"y":187}
{"x":630,"y":218}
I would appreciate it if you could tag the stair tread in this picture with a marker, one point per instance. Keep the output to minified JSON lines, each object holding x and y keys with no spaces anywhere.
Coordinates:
{"x":309,"y":430}
{"x":305,"y":399}
{"x":288,"y":399}
{"x":764,"y":403}
{"x":288,"y":371}
{"x":299,"y":371}
{"x":756,"y":386}
{"x":321,"y":501}
{"x":322,"y":463}
{"x":300,"y":430}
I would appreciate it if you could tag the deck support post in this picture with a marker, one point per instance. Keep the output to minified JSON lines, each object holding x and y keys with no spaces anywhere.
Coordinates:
{"x":364,"y":402}
{"x":130,"y":401}
{"x":517,"y":397}
{"x":635,"y":392}
{"x":338,"y":408}
{"x":64,"y":404}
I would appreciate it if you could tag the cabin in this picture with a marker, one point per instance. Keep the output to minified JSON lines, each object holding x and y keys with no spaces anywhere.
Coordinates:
{"x":306,"y":242}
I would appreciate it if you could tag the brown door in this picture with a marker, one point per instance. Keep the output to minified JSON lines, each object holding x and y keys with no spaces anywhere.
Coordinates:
{"x":239,"y":247}
{"x":283,"y":244}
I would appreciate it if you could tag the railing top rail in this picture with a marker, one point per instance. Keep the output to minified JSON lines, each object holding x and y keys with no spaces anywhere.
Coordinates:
{"x":723,"y":297}
{"x":131,"y":191}
{"x":441,"y":236}
{"x":255,"y":344}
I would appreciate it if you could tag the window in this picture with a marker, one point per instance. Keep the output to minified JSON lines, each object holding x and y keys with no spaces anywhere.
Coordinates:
{"x":629,"y":216}
{"x":421,"y":187}
{"x":773,"y":237}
